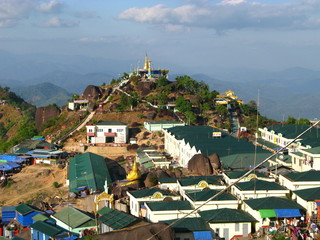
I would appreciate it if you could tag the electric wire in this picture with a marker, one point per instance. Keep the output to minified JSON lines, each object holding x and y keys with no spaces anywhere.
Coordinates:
{"x":243,"y":176}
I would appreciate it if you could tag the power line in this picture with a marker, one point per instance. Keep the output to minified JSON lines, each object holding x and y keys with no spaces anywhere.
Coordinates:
{"x":243,"y":176}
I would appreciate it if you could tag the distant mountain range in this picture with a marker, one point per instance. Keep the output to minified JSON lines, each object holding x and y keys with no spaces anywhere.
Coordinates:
{"x":292,"y":92}
{"x":43,"y":94}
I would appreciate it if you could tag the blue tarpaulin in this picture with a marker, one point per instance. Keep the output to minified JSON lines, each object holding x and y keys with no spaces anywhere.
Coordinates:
{"x":203,"y":235}
{"x":287,"y":213}
{"x":10,"y":158}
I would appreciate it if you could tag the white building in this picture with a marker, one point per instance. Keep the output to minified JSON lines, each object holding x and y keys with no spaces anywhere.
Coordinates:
{"x":258,"y":189}
{"x":300,"y":180}
{"x":168,"y":210}
{"x":229,"y":223}
{"x":139,"y":197}
{"x":107,"y":132}
{"x":224,"y":200}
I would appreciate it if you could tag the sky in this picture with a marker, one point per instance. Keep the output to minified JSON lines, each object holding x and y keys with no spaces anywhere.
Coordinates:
{"x":198,"y":34}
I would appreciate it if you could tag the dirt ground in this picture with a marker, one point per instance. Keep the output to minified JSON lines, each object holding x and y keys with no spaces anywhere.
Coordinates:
{"x":35,"y":182}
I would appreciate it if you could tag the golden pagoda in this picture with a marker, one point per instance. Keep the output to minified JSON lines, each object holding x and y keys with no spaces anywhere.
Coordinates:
{"x":134,"y":173}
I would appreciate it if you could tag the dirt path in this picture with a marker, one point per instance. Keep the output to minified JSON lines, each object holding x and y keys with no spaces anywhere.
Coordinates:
{"x":34,"y":182}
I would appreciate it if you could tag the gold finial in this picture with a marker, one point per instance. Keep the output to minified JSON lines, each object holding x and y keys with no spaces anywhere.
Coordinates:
{"x":146,"y":62}
{"x":134,"y":174}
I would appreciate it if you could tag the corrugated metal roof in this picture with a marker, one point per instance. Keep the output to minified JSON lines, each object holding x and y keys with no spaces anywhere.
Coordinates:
{"x":194,"y":180}
{"x":238,"y":174}
{"x":206,"y":194}
{"x":74,"y":217}
{"x":111,"y":123}
{"x":310,"y":194}
{"x":201,"y":138}
{"x":46,"y":228}
{"x":169,"y":205}
{"x":226,"y":215}
{"x":290,"y":131}
{"x":272,"y":203}
{"x":149,"y":192}
{"x":256,"y":184}
{"x":24,"y":209}
{"x":88,"y":169}
{"x":116,"y":219}
{"x":307,"y":176}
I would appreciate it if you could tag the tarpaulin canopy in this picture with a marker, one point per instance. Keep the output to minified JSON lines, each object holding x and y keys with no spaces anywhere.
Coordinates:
{"x":203,"y":235}
{"x":267,"y":213}
{"x":287,"y":213}
{"x":280,"y":213}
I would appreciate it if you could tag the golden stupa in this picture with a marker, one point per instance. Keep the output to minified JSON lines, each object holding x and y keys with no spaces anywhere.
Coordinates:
{"x":134,"y":173}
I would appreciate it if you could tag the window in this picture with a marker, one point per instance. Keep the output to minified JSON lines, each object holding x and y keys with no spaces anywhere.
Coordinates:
{"x":100,"y":130}
{"x":119,"y":130}
{"x":237,"y":227}
{"x":109,"y":130}
{"x":90,"y":130}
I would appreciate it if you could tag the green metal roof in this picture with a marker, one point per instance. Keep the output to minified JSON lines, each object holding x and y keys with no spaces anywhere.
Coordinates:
{"x":169,"y":205}
{"x":149,"y":192}
{"x":256,"y":184}
{"x":194,"y":180}
{"x":290,"y":131}
{"x":315,"y":150}
{"x":88,"y":169}
{"x":238,"y":174}
{"x":226,"y":215}
{"x":24,"y":209}
{"x":201,"y":138}
{"x":189,"y":225}
{"x":23,"y":150}
{"x":309,"y":194}
{"x":111,"y":123}
{"x":267,"y":143}
{"x":272,"y":203}
{"x":42,"y":217}
{"x":116,"y":219}
{"x":47,"y":228}
{"x":298,"y":154}
{"x":167,"y":180}
{"x":165,"y":122}
{"x":75,"y":218}
{"x":206,"y":194}
{"x":307,"y":176}
{"x":243,"y":160}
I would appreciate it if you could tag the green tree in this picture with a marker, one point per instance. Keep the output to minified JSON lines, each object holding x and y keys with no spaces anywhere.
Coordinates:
{"x":191,"y":117}
{"x":183,"y":105}
{"x":221,"y":109}
{"x":291,"y":120}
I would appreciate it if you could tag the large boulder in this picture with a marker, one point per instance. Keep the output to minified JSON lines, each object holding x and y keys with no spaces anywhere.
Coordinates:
{"x":43,"y":114}
{"x":215,"y":161}
{"x":145,"y":87}
{"x":92,"y":93}
{"x":151,"y":180}
{"x":200,"y":165}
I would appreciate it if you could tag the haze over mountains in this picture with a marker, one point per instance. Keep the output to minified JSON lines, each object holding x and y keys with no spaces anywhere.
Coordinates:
{"x":43,"y":79}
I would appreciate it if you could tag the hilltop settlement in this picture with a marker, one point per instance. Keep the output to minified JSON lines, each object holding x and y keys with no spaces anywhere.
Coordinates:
{"x":147,"y":158}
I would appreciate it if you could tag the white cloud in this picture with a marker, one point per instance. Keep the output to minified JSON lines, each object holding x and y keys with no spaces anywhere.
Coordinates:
{"x":232,"y":2}
{"x":58,"y":22}
{"x":15,"y":9}
{"x":93,"y":40}
{"x":53,"y":6}
{"x":7,"y":23}
{"x":162,"y":14}
{"x":230,"y":14}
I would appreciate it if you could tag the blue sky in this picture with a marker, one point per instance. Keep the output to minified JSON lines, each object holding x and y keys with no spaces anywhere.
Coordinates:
{"x":199,"y":34}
